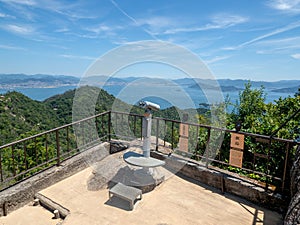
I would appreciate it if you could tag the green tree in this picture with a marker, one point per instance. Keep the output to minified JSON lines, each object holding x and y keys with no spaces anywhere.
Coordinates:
{"x":250,"y":108}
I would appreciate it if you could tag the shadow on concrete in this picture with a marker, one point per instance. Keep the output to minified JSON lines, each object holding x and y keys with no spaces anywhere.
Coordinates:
{"x":120,"y":203}
{"x":267,"y":214}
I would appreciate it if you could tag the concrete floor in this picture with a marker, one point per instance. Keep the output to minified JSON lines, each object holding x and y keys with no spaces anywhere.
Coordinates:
{"x":31,"y":215}
{"x":176,"y":201}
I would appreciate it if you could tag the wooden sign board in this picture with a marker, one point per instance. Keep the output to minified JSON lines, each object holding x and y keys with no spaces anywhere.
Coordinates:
{"x":184,"y":144}
{"x":236,"y":158}
{"x":237,"y":141}
{"x":184,"y":130}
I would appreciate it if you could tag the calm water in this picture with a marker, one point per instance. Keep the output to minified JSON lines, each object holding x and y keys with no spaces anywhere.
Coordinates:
{"x":40,"y":94}
{"x":164,"y":97}
{"x":196,"y":96}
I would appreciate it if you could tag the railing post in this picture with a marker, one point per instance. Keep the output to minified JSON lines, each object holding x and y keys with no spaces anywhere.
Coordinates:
{"x":207,"y":147}
{"x":121,"y":125}
{"x":134,"y":126}
{"x":102,"y":126}
{"x":82,"y":133}
{"x":141,"y":130}
{"x":157,"y":130}
{"x":25,"y":155}
{"x":35,"y":152}
{"x":165,"y":133}
{"x":1,"y":172}
{"x":57,"y":147}
{"x":68,"y":141}
{"x":109,"y":126}
{"x":46,"y":146}
{"x":285,"y":165}
{"x":13,"y":159}
{"x":197,"y":140}
{"x":172,"y":138}
{"x":268,"y":161}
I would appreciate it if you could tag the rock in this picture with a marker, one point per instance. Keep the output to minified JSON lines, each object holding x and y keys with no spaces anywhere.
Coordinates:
{"x":117,"y":146}
{"x":293,"y":214}
{"x":295,"y":174}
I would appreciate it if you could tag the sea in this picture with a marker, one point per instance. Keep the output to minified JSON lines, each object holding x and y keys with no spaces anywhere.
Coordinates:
{"x":197,"y":97}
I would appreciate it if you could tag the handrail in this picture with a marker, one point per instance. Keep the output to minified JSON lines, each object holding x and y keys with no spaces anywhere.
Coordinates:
{"x":61,"y":142}
{"x":159,"y":118}
{"x":52,"y":130}
{"x":228,"y":130}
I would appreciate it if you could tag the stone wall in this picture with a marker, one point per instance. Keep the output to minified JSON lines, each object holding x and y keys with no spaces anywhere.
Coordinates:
{"x":293,"y":214}
{"x":22,"y":193}
{"x":223,"y":181}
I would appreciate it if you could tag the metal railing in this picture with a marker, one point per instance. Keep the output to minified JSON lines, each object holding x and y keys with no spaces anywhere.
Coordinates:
{"x":25,"y":157}
{"x":266,"y":158}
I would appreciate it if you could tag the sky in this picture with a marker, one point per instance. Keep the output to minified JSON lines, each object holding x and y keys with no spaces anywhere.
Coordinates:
{"x":236,"y":39}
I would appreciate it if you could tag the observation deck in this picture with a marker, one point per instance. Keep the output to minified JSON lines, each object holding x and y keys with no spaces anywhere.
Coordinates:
{"x":178,"y":200}
{"x":77,"y":176}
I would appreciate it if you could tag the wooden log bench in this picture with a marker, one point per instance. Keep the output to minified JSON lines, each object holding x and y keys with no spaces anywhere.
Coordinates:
{"x":125,"y":192}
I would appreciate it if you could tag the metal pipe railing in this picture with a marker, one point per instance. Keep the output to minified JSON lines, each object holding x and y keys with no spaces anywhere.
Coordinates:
{"x":31,"y":157}
{"x":59,"y":143}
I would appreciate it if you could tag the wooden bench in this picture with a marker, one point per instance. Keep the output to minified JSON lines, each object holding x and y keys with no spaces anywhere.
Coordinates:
{"x":125,"y":192}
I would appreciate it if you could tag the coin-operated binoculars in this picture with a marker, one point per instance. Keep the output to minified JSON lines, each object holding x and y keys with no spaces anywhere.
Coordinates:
{"x":147,"y":120}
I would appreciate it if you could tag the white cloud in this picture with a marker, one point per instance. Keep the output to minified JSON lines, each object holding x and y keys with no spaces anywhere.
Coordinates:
{"x":10,"y":47}
{"x":284,"y":5}
{"x":226,"y":20}
{"x":296,"y":56}
{"x":216,"y":59}
{"x":290,"y":6}
{"x":72,"y":11}
{"x":62,"y":30}
{"x":3,"y":15}
{"x":221,"y":21}
{"x":283,"y":45}
{"x":101,"y":31}
{"x":19,"y":29}
{"x":20,"y":2}
{"x":156,"y":23}
{"x":102,"y":28}
{"x":289,"y":27}
{"x":282,"y":41}
{"x":131,"y":18}
{"x":77,"y":57}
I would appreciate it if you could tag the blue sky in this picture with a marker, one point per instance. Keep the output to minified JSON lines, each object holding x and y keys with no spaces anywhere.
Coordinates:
{"x":237,"y":39}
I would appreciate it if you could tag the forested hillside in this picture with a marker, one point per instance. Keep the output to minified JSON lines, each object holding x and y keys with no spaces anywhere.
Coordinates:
{"x":21,"y":116}
{"x":62,"y":104}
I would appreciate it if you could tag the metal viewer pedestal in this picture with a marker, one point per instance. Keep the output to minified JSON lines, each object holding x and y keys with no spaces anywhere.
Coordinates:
{"x":145,"y":177}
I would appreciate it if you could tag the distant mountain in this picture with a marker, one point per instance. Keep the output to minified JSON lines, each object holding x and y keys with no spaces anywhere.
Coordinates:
{"x":287,"y":90}
{"x":271,"y":85}
{"x":37,"y":80}
{"x":11,"y":81}
{"x":228,"y":85}
{"x":230,"y":88}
